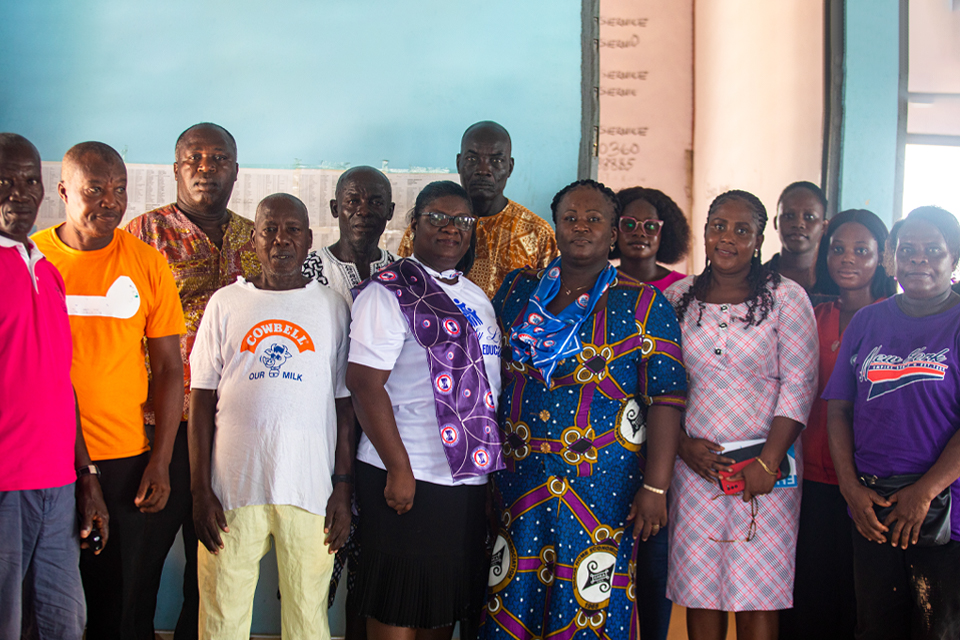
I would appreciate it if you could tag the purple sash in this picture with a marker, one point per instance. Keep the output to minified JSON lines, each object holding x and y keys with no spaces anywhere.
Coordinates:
{"x":466,"y":417}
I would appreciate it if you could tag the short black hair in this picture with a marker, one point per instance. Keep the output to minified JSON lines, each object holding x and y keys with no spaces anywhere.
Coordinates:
{"x":176,"y":147}
{"x":809,"y":186}
{"x":441,"y":189}
{"x":73,"y":158}
{"x":945,"y":222}
{"x":13,"y":140}
{"x":297,"y":202}
{"x":675,"y":234}
{"x":486,"y":125}
{"x":349,"y":173}
{"x":604,"y":190}
{"x":883,"y":285}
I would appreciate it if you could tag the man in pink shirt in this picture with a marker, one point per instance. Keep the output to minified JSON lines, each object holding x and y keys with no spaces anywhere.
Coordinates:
{"x":48,"y":476}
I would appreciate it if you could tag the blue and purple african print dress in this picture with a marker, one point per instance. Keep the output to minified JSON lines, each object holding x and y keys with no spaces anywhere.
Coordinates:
{"x":563,"y":563}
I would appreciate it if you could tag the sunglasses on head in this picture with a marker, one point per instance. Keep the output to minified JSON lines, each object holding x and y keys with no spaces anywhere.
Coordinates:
{"x":649,"y":227}
{"x":437,"y":219}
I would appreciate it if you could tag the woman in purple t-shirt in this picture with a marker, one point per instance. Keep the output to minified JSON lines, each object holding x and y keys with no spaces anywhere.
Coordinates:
{"x":894,"y":409}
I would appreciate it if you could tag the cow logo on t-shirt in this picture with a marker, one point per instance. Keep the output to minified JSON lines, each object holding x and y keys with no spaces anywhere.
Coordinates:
{"x":277,"y":352}
{"x":887,"y":373}
{"x":274,"y":357}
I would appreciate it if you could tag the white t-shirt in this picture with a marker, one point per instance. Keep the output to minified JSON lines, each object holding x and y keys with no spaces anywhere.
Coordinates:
{"x":380,"y":338}
{"x":277,"y":360}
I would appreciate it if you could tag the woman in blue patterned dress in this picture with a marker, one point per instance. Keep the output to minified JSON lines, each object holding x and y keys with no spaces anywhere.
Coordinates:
{"x":593,"y":367}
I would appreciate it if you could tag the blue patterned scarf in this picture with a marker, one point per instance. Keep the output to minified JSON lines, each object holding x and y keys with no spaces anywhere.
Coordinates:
{"x":540,"y":337}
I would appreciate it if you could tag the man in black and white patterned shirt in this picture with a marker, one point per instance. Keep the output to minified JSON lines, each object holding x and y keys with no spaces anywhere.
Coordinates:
{"x":363,"y":206}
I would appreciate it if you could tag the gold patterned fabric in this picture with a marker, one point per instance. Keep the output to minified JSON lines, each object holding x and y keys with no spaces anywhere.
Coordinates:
{"x":199,"y":269}
{"x":514,"y":238}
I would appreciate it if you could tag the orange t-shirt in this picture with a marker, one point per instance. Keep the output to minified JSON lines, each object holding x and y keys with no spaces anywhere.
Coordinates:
{"x":115,"y":297}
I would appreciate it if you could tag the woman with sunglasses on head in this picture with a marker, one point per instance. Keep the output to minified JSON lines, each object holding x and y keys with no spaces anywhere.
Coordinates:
{"x":652,"y":230}
{"x":424,"y":371}
{"x":592,"y":370}
{"x":750,"y":348}
{"x":849,"y":265}
{"x":893,"y":420}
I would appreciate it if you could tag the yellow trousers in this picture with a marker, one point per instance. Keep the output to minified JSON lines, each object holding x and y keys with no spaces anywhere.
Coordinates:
{"x":228,"y":580}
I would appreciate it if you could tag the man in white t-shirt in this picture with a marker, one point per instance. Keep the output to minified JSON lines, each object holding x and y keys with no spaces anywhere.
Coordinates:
{"x":270,"y":423}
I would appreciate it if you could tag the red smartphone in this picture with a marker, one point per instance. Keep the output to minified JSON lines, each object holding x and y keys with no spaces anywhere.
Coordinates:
{"x":744,"y":457}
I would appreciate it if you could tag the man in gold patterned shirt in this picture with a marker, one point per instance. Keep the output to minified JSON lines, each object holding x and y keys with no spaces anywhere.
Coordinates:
{"x":509,"y":236}
{"x":207,"y":247}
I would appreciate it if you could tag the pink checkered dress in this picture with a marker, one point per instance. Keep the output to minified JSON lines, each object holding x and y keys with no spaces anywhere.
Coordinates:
{"x":740,"y":377}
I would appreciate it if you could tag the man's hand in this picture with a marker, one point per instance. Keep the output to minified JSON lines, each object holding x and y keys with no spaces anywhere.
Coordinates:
{"x":649,"y":513}
{"x":154,"y":487}
{"x":92,"y":510}
{"x":209,"y":521}
{"x":702,"y":457}
{"x":860,"y":499}
{"x":399,"y":491}
{"x":906,"y":518}
{"x":336,"y":524}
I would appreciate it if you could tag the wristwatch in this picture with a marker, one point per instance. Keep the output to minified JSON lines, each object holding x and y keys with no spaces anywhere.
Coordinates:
{"x":89,"y":470}
{"x":342,"y":478}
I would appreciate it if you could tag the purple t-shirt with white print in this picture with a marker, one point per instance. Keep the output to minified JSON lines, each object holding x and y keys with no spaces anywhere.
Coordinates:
{"x":903,"y":376}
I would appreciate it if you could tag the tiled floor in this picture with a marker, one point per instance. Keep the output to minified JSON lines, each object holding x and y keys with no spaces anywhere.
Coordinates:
{"x":678,"y":625}
{"x":678,"y":628}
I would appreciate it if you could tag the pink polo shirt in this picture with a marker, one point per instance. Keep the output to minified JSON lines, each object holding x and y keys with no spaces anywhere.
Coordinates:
{"x":38,"y":423}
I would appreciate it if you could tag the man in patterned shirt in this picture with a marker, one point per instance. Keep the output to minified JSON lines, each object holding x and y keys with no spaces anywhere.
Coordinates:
{"x":509,"y":236}
{"x":207,"y":247}
{"x":362,"y":207}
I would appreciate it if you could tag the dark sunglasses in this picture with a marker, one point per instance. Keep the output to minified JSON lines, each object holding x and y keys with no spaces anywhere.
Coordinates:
{"x":437,"y":219}
{"x":649,"y":227}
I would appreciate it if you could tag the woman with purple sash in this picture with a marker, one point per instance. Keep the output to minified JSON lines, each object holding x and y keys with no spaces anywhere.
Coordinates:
{"x":592,"y":371}
{"x":425,"y":377}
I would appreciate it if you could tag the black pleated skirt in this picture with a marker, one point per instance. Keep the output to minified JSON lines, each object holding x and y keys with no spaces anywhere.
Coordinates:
{"x":424,"y":569}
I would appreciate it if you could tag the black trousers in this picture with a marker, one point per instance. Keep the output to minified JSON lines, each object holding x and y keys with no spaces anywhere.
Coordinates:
{"x":110,"y":579}
{"x":824,"y":604}
{"x":161,"y":533}
{"x":912,"y":593}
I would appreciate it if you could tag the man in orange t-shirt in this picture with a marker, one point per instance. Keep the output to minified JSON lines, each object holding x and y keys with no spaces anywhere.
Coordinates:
{"x":119,"y":291}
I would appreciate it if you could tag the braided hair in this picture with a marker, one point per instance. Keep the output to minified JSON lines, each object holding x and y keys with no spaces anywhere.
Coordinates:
{"x":762,"y":279}
{"x":604,"y":190}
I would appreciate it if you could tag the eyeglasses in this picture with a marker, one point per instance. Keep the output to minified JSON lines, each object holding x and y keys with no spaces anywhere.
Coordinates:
{"x":648,"y":227}
{"x":437,"y":219}
{"x":751,"y":528}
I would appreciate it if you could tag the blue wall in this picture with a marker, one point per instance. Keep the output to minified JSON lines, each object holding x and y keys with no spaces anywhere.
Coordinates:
{"x":868,"y":164}
{"x":300,"y":81}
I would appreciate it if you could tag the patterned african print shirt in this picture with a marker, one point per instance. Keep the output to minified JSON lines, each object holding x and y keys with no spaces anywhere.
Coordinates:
{"x":199,"y":269}
{"x":512,"y":239}
{"x":325,"y":268}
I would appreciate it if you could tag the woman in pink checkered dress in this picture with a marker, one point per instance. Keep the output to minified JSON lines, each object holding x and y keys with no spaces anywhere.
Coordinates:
{"x":750,"y":348}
